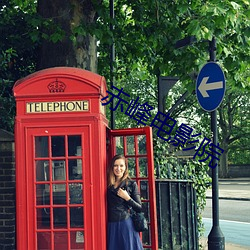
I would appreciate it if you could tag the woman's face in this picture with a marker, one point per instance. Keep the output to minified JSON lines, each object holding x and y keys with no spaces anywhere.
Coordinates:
{"x":119,"y":168}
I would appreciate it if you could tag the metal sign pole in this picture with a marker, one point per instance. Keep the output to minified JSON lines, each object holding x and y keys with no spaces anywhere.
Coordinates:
{"x":216,"y":239}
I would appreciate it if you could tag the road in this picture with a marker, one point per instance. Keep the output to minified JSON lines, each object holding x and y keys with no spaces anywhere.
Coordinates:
{"x":234,"y":213}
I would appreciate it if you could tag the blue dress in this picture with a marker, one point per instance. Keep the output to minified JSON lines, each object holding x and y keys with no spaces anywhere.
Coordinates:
{"x":121,"y":232}
{"x":122,"y":236}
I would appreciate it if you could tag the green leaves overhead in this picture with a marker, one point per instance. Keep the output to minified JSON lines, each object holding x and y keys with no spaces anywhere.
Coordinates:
{"x":148,"y":30}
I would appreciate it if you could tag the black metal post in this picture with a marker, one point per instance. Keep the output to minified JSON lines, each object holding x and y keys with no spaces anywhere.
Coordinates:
{"x":112,"y":61}
{"x":216,"y":239}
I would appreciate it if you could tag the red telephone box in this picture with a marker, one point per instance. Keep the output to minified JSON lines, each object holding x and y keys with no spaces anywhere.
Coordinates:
{"x":61,"y":159}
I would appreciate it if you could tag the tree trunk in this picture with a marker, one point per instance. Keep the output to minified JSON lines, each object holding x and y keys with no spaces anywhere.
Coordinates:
{"x":75,"y":49}
{"x":223,"y":167}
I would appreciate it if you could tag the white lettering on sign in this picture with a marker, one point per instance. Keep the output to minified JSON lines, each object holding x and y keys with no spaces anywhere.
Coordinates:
{"x":49,"y":107}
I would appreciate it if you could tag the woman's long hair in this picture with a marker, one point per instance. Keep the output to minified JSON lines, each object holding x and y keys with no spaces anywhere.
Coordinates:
{"x":111,"y":175}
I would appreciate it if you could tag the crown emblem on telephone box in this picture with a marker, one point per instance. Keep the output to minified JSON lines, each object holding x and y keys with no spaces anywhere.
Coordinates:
{"x":56,"y":86}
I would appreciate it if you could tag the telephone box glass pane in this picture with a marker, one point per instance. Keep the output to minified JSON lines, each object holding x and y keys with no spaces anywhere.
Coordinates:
{"x":41,"y":194}
{"x":59,"y":194}
{"x":60,"y":217}
{"x":130,"y":145}
{"x":76,"y":216}
{"x":74,"y":145}
{"x":58,"y":171}
{"x":119,"y":145}
{"x":131,"y":167}
{"x":146,"y":210}
{"x":41,"y":146}
{"x":75,"y":169}
{"x":42,"y":170}
{"x":43,"y":218}
{"x":143,"y":165}
{"x":77,"y":240}
{"x":58,"y":146}
{"x":43,"y":241}
{"x":142,"y":144}
{"x":61,"y":240}
{"x":144,"y":190}
{"x":75,"y":193}
{"x":146,"y":237}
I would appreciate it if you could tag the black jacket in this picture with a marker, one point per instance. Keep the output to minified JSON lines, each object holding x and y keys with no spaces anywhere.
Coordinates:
{"x":118,"y":208}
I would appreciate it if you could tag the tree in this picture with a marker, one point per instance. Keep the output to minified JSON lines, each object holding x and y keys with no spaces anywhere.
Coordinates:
{"x":69,"y":39}
{"x":234,"y":117}
{"x":157,"y":25}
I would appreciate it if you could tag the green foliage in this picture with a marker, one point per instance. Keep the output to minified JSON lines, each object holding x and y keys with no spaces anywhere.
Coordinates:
{"x":148,"y":30}
{"x":234,"y":118}
{"x":239,"y":156}
{"x":17,"y":55}
{"x":172,"y":167}
{"x":16,"y":42}
{"x":7,"y":106}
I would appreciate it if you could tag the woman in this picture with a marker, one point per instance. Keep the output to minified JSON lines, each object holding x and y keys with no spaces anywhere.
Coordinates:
{"x":122,"y":195}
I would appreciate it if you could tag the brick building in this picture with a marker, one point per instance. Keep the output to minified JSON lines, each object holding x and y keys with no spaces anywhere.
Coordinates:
{"x":7,"y":191}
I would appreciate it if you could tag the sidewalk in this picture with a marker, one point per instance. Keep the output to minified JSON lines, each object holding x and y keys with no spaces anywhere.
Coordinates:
{"x":228,"y":246}
{"x":242,"y":193}
{"x":231,"y":194}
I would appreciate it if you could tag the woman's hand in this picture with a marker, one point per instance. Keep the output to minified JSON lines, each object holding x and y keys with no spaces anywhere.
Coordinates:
{"x":123,"y":194}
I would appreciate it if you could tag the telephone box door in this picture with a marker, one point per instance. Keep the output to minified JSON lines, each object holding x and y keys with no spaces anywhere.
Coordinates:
{"x":136,"y":145}
{"x":59,"y":188}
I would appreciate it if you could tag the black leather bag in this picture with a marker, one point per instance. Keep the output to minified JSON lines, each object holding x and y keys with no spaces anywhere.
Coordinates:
{"x":140,"y":222}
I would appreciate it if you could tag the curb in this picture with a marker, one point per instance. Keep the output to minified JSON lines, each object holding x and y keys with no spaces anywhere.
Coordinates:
{"x":230,"y":198}
{"x":244,"y":179}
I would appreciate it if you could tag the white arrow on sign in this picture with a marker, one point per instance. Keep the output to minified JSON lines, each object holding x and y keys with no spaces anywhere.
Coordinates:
{"x":204,"y":86}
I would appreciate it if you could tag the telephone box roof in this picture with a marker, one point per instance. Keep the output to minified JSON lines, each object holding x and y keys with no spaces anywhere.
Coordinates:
{"x":96,"y":83}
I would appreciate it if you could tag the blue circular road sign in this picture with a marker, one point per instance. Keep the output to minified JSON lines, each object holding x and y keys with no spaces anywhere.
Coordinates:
{"x":210,"y":86}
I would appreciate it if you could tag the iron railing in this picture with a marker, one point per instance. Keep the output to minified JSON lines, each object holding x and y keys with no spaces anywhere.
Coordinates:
{"x":176,"y":211}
